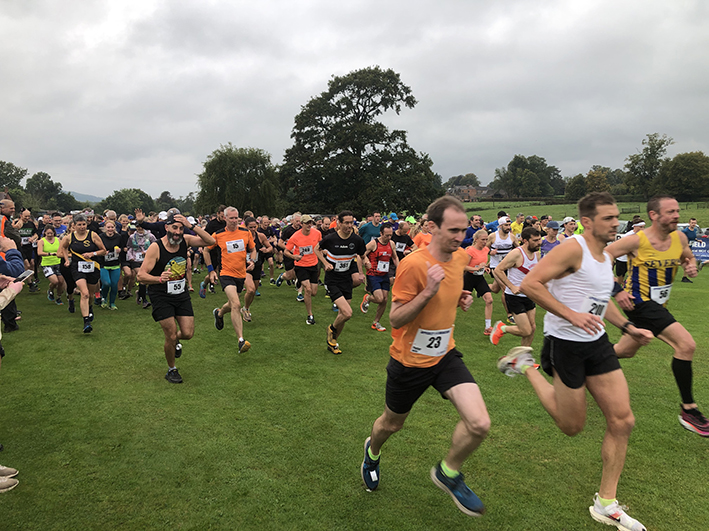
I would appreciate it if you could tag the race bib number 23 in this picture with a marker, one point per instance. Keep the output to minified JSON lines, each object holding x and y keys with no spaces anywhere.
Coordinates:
{"x":431,"y":342}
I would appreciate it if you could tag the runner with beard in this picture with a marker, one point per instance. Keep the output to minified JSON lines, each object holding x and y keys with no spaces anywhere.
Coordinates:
{"x":337,"y":252}
{"x":218,"y":222}
{"x":267,"y":258}
{"x":510,"y":273}
{"x":380,"y":256}
{"x":234,"y":242}
{"x":253,"y":276}
{"x":500,"y":243}
{"x":164,"y":270}
{"x":654,"y":255}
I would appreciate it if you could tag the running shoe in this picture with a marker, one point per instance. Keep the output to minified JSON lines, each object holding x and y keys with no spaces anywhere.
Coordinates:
{"x":272,"y":282}
{"x":335,"y":308}
{"x":497,"y":333}
{"x":113,"y":307}
{"x":257,"y":294}
{"x":488,"y":331}
{"x":243,"y":346}
{"x":700,"y":265}
{"x":88,"y":328}
{"x":364,"y":305}
{"x":7,"y":472}
{"x":511,"y":365}
{"x":300,"y":298}
{"x":332,"y":344}
{"x":511,"y":319}
{"x":693,"y":420}
{"x":279,"y":280}
{"x":466,"y":500}
{"x":370,"y":468}
{"x":327,"y":293}
{"x":218,"y":319}
{"x":146,"y":304}
{"x":246,"y":315}
{"x":34,"y":287}
{"x":139,"y":300}
{"x":202,"y":290}
{"x":297,"y":283}
{"x":614,"y":514}
{"x":58,"y":301}
{"x":310,"y":320}
{"x":8,"y":484}
{"x":289,"y":282}
{"x":71,"y":306}
{"x":686,"y":279}
{"x":50,"y":295}
{"x":91,"y":314}
{"x":173,"y":376}
{"x":211,"y":288}
{"x":379,"y":328}
{"x":178,"y":350}
{"x":191,"y":289}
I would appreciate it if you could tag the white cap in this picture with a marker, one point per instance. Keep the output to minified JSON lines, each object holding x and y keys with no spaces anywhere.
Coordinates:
{"x":567,"y":219}
{"x":191,"y":220}
{"x":503,"y":220}
{"x":162,"y":216}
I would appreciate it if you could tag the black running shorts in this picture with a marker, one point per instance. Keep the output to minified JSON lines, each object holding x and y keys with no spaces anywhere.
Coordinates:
{"x":406,"y":384}
{"x":226,"y":280}
{"x":169,"y":306}
{"x":339,"y":289}
{"x":310,"y":274}
{"x":575,"y":360}
{"x":519,"y":305}
{"x":651,"y":316}
{"x":475,"y":282}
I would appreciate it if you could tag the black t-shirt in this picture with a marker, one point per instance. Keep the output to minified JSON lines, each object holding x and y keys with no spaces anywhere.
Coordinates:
{"x":402,"y":242}
{"x":341,"y":254}
{"x":286,"y":233}
{"x":214,"y":225}
{"x":26,"y":232}
{"x":112,"y":257}
{"x":177,"y":262}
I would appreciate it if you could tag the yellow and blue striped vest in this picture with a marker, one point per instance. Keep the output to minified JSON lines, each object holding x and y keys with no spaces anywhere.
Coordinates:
{"x":652,"y":268}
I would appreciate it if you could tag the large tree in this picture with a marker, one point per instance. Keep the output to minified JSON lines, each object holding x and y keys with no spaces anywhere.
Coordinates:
{"x":644,"y":167}
{"x":686,"y":176}
{"x":469,"y":179}
{"x":343,"y":157}
{"x":126,"y":200}
{"x":527,"y":177}
{"x":575,"y":188}
{"x":11,"y":175}
{"x":241,"y":177}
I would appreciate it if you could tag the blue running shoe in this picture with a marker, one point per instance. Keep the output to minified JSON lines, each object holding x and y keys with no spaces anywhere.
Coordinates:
{"x":202,"y":290}
{"x":50,"y":295}
{"x":370,"y":468}
{"x":335,"y":308}
{"x":257,"y":294}
{"x":88,"y":328}
{"x":279,"y":280}
{"x":300,"y":298}
{"x":466,"y":500}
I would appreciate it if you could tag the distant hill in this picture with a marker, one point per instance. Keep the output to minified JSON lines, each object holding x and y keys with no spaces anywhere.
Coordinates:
{"x":86,"y":197}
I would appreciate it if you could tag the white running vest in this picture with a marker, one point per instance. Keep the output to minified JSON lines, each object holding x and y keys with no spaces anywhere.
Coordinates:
{"x":588,"y":290}
{"x":503,"y":248}
{"x":516,"y":274}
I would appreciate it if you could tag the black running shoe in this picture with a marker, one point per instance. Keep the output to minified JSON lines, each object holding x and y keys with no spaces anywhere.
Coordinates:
{"x":71,"y":306}
{"x":218,"y":320}
{"x":178,"y":350}
{"x":173,"y":376}
{"x":243,"y":346}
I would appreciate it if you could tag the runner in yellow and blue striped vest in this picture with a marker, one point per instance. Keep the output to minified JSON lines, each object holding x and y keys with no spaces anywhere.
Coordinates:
{"x":654,"y":255}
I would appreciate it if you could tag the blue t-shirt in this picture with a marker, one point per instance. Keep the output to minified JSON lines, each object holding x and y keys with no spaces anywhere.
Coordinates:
{"x":368,"y":231}
{"x":547,"y":246}
{"x":61,"y":229}
{"x":691,"y":233}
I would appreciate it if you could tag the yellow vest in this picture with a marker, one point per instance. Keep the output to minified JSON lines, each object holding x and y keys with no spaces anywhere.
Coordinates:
{"x":651,"y":272}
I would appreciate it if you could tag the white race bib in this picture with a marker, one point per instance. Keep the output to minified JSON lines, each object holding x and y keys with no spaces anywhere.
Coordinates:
{"x":343,"y":265}
{"x":400,"y":247}
{"x":113,"y":255}
{"x":308,"y":249}
{"x":383,"y":267}
{"x":48,"y":271}
{"x":595,"y":306}
{"x":25,"y":240}
{"x":431,"y":342}
{"x":175,"y":287}
{"x":85,"y":267}
{"x":235,"y":246}
{"x":139,"y":257}
{"x":34,"y":244}
{"x":660,"y":294}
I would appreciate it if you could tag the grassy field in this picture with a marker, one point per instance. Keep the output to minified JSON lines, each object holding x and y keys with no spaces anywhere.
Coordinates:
{"x":272,"y":439}
{"x":558,"y":212}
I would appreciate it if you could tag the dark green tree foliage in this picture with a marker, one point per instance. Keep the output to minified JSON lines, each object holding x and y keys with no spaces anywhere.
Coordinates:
{"x":165,"y":201}
{"x":685,"y":177}
{"x":645,"y":166}
{"x":575,"y":188}
{"x":186,"y":204}
{"x":527,"y":177}
{"x":11,"y":175}
{"x":597,"y":181}
{"x":344,"y":158}
{"x":40,"y":188}
{"x":240,"y":177}
{"x":469,"y":179}
{"x":126,"y":200}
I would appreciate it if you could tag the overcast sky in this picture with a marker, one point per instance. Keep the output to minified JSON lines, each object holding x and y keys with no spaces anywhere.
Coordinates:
{"x":109,"y":95}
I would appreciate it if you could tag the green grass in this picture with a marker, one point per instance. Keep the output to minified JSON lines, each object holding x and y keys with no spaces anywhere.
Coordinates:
{"x":489,"y":210}
{"x":272,"y":439}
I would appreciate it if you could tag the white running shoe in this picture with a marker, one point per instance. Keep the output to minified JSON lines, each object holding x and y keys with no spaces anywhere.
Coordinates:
{"x":614,"y":514}
{"x":516,"y":358}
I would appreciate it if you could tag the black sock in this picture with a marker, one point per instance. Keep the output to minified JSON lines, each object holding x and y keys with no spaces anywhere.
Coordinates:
{"x":682,"y":370}
{"x":86,"y":319}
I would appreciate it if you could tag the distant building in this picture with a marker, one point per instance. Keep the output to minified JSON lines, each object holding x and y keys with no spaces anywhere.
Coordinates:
{"x":473,"y":193}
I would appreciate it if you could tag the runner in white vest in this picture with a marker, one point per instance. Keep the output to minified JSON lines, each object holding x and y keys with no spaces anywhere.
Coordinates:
{"x":500,"y":243}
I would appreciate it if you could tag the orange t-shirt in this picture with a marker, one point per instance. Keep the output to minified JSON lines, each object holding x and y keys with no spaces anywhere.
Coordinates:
{"x":477,"y":257}
{"x":300,"y":242}
{"x":425,"y":340}
{"x":234,"y":246}
{"x":422,"y":240}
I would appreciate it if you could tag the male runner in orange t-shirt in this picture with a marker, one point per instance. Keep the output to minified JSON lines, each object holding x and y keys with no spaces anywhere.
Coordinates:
{"x":301,"y":249}
{"x":426,"y":295}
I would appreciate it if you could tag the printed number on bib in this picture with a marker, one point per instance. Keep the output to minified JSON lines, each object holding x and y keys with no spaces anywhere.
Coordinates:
{"x":139,"y":257}
{"x":660,"y":294}
{"x":595,"y":306}
{"x":431,"y":342}
{"x":25,"y":240}
{"x":175,"y":287}
{"x":343,"y":265}
{"x":48,"y":271}
{"x":400,"y":247}
{"x":85,"y":267}
{"x":308,"y":249}
{"x":113,"y":255}
{"x":235,"y":246}
{"x":383,"y":267}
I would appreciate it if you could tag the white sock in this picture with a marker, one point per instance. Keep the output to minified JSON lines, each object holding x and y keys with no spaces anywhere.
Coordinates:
{"x":488,"y":323}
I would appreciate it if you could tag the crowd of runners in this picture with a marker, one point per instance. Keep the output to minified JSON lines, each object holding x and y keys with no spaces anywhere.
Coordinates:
{"x":431,"y":265}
